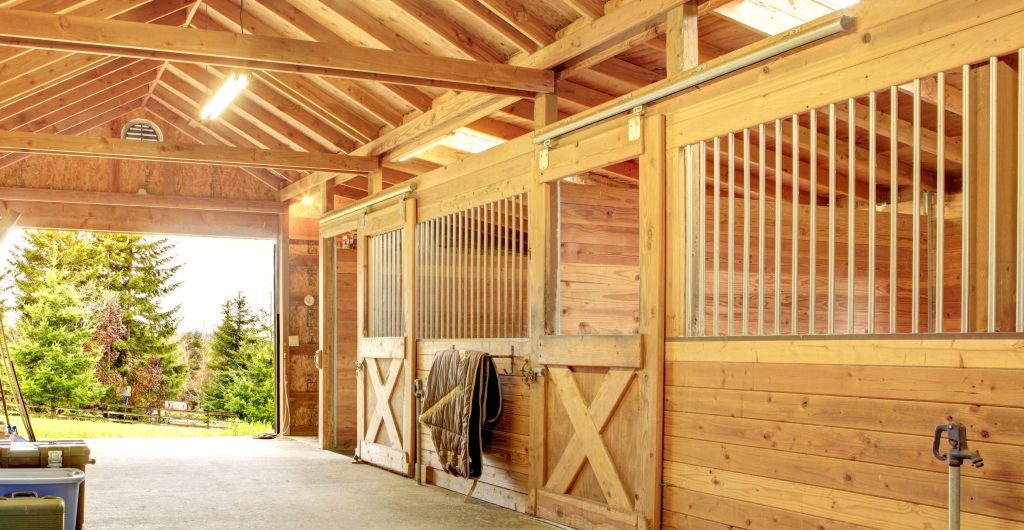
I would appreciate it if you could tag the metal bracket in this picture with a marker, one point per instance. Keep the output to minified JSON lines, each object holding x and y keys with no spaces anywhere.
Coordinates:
{"x":543,"y":158}
{"x":360,"y":364}
{"x":530,"y":375}
{"x":362,"y":219}
{"x":634,"y":123}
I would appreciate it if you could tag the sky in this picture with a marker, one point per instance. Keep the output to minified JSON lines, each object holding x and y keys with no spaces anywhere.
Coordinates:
{"x":212,"y":271}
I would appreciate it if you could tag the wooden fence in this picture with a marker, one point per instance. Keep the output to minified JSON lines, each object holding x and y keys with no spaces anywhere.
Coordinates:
{"x":135,"y":414}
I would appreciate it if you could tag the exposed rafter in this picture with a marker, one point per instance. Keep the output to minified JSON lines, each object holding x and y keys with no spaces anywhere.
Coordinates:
{"x":129,"y":39}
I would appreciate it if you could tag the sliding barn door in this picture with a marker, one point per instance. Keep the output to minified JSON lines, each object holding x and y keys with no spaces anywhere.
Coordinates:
{"x":596,"y":408}
{"x":385,"y":365}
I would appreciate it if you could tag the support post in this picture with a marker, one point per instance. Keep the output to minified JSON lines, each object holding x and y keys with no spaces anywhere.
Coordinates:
{"x":681,"y":39}
{"x":328,"y":318}
{"x":375,"y":181}
{"x":542,"y":230}
{"x":283,"y":322}
{"x":410,"y":445}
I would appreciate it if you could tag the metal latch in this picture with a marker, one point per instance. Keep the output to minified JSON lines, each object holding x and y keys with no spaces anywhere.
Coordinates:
{"x":634,"y":123}
{"x":543,"y":159}
{"x":360,"y":363}
{"x":530,"y":375}
{"x":55,"y":459}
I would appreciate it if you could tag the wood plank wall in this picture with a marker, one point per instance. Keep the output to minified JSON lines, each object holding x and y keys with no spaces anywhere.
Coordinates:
{"x":837,"y":433}
{"x":346,"y":350}
{"x":506,"y":466}
{"x":303,"y":382}
{"x":599,"y":276}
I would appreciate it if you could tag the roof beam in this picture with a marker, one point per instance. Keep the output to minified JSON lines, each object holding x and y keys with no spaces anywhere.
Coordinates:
{"x":99,"y":147}
{"x":444,"y":117}
{"x":134,"y":200}
{"x":130,"y":39}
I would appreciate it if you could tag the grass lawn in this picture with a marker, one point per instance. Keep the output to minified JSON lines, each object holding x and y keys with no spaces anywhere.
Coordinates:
{"x":50,"y":428}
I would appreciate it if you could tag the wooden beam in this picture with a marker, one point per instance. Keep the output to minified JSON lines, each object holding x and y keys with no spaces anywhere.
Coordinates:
{"x":682,"y":39}
{"x":328,"y":258}
{"x":447,"y":116}
{"x":97,"y":147}
{"x":103,"y":198}
{"x":7,"y":221}
{"x":96,"y":36}
{"x":310,"y":184}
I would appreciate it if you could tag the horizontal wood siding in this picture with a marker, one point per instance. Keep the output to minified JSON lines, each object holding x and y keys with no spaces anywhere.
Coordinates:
{"x":837,"y":433}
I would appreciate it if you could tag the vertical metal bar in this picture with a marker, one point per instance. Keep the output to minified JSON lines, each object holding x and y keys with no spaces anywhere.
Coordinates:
{"x":700,"y":188}
{"x":778,"y":227}
{"x":519,"y":268}
{"x":851,"y":219}
{"x":491,"y":243}
{"x":508,"y":267}
{"x":760,"y":228}
{"x":716,"y":202}
{"x":731,"y":236}
{"x":1019,"y":287}
{"x":795,"y":228}
{"x":449,"y":277}
{"x":894,"y":156}
{"x":474,"y":223}
{"x":418,"y":254}
{"x":502,"y":271}
{"x":872,"y":201}
{"x":438,"y":271}
{"x":965,"y":242}
{"x":812,"y":250}
{"x":915,"y":302}
{"x":831,"y":326}
{"x":685,"y":200}
{"x":940,"y":203}
{"x":993,"y":132}
{"x":747,"y":233}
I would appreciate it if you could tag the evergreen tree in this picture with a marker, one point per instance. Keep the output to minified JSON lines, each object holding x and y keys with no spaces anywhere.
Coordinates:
{"x":139,"y":272}
{"x":54,"y":363}
{"x":195,"y":351}
{"x":70,"y":252}
{"x":241,"y":364}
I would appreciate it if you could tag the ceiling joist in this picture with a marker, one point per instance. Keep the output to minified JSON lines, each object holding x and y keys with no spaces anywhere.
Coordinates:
{"x":130,"y":39}
{"x":98,"y":147}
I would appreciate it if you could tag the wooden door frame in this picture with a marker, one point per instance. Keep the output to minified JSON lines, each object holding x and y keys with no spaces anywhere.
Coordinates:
{"x":581,"y":156}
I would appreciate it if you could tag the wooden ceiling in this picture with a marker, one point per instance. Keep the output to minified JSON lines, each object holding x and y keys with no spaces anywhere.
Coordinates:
{"x":50,"y":87}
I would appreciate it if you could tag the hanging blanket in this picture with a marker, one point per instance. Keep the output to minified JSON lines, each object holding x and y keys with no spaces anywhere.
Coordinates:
{"x":463,"y":398}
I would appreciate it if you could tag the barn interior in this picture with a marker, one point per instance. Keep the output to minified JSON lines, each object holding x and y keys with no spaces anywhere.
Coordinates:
{"x":736,"y":262}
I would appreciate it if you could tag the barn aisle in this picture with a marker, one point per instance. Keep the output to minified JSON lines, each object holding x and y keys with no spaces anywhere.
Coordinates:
{"x":252,"y":484}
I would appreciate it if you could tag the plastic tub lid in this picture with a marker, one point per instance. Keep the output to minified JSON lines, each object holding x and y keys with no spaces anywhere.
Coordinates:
{"x":43,"y":475}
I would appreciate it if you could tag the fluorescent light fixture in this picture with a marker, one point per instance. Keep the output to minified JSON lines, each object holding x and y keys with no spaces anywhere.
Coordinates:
{"x":233,"y":85}
{"x":422,"y":149}
{"x":307,"y":200}
{"x":472,"y":141}
{"x":772,"y":17}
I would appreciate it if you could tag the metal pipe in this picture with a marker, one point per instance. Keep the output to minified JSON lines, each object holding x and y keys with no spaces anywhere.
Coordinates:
{"x":993,"y":132}
{"x":731,"y":236}
{"x":686,"y":196}
{"x":745,"y":321}
{"x":894,"y":150}
{"x":831,"y":325}
{"x":872,"y":201}
{"x":812,"y":250}
{"x":851,"y":218}
{"x":783,"y":43}
{"x":953,"y":501}
{"x":915,"y":297}
{"x":716,"y":202}
{"x":795,"y":222}
{"x":965,"y":241}
{"x":701,"y":190}
{"x":367,"y":202}
{"x":777,"y":316}
{"x":940,"y":202}
{"x":760,"y":229}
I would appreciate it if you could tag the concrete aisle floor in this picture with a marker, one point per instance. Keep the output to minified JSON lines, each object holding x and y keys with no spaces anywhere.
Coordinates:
{"x":198,"y":483}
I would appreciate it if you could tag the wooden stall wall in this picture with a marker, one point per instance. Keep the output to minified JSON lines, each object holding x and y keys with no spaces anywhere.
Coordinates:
{"x":599,"y":261}
{"x":73,"y":179}
{"x":838,"y":433}
{"x":302,"y":340}
{"x":903,"y":267}
{"x":506,"y":466}
{"x":346,"y":350}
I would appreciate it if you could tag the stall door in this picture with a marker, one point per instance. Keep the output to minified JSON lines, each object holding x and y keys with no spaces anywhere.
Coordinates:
{"x":596,"y":410}
{"x":384,"y":366}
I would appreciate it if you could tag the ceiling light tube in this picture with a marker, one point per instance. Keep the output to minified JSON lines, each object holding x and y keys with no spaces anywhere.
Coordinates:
{"x":233,"y":85}
{"x":784,"y":42}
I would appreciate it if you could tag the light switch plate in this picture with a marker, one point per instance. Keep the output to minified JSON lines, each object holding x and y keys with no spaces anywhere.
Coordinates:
{"x":293,"y":340}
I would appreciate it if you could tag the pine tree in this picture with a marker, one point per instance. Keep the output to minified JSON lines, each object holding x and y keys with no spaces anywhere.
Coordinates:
{"x":51,"y":354}
{"x":241,"y":364}
{"x":70,"y":252}
{"x":139,"y":271}
{"x":195,"y":352}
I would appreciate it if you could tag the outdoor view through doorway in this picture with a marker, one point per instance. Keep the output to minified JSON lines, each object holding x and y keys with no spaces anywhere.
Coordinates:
{"x":123,"y":335}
